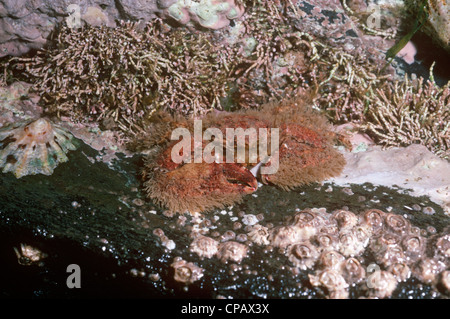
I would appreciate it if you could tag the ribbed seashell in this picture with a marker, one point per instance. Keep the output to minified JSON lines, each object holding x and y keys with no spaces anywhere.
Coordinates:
{"x":232,"y":251}
{"x":34,"y":148}
{"x":352,"y":271}
{"x":204,"y":246}
{"x":346,"y":220}
{"x":303,"y":255}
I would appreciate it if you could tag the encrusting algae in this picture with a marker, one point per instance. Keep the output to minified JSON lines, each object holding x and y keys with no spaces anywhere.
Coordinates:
{"x":34,"y":148}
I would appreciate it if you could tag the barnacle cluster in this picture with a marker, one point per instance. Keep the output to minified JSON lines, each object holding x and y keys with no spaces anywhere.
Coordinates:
{"x":230,"y":250}
{"x":373,"y":250}
{"x":204,"y":246}
{"x":186,"y":272}
{"x":32,"y":148}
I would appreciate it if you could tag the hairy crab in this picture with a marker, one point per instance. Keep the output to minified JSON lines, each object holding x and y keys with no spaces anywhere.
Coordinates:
{"x":301,"y":153}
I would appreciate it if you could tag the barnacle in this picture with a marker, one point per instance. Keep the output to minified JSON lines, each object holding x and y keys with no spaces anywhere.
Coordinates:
{"x":428,"y":268}
{"x":443,"y":246}
{"x":374,"y":218}
{"x":34,"y":148}
{"x":303,"y":255}
{"x":186,"y":272}
{"x":204,"y":246}
{"x":401,"y":271}
{"x":392,"y":255}
{"x":362,"y":233}
{"x":283,"y":236}
{"x":414,"y":246}
{"x":386,"y":248}
{"x":232,"y":251}
{"x":309,"y":218}
{"x":325,"y":241}
{"x":350,"y":245}
{"x":28,"y":255}
{"x":331,"y":259}
{"x":381,"y":284}
{"x":346,"y":220}
{"x":259,"y":235}
{"x":332,"y":280}
{"x":397,"y":223}
{"x":342,"y":244}
{"x":352,"y":271}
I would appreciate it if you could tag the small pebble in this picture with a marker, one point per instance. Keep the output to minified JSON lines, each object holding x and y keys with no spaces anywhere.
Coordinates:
{"x":154,"y":277}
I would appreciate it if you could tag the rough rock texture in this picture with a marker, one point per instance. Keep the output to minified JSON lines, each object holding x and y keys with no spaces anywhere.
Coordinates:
{"x":437,"y":25}
{"x":413,"y":167}
{"x":26,"y":24}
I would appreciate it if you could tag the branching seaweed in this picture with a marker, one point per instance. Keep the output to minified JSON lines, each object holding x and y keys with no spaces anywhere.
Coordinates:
{"x":404,"y":113}
{"x":126,"y":74}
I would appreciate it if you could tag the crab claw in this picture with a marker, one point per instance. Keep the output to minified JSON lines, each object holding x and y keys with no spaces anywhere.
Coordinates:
{"x":240,"y":176}
{"x":199,"y":186}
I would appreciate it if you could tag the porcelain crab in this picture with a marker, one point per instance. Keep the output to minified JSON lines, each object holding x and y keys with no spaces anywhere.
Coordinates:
{"x":302,"y":152}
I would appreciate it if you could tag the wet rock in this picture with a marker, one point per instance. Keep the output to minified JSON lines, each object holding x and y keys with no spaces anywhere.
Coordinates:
{"x":117,"y":241}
